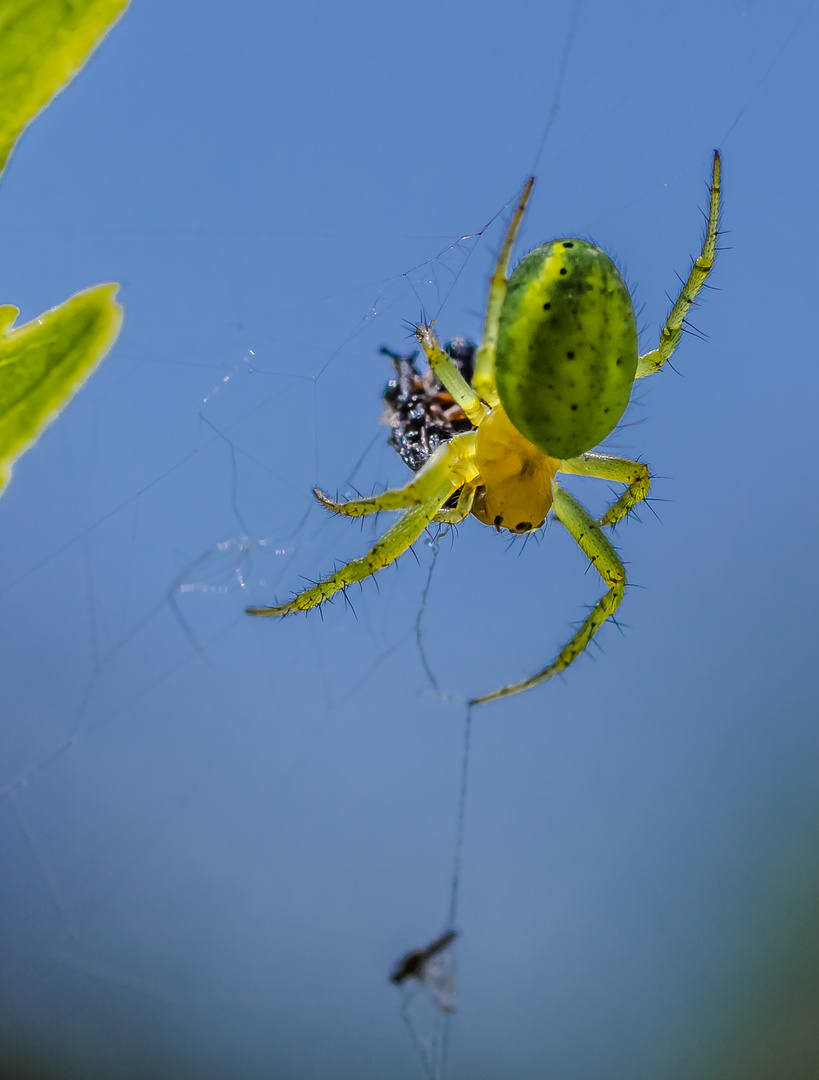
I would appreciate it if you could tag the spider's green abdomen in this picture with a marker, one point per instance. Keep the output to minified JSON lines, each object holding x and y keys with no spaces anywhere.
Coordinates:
{"x":567,"y":347}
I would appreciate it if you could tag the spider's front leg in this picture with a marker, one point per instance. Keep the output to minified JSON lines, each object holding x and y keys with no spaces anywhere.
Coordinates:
{"x":483,"y":389}
{"x":606,"y":562}
{"x":483,"y":379}
{"x":450,"y":468}
{"x":423,"y":484}
{"x":448,"y":375}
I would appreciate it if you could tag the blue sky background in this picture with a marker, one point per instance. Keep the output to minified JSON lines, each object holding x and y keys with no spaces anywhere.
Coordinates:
{"x":218,"y":833}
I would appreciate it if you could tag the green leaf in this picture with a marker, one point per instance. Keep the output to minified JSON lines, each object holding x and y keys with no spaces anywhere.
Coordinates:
{"x":43,"y":44}
{"x":46,"y":361}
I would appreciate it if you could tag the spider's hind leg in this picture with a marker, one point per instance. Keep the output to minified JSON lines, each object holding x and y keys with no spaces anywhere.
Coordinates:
{"x":635,"y":474}
{"x":606,"y":562}
{"x":700,"y":269}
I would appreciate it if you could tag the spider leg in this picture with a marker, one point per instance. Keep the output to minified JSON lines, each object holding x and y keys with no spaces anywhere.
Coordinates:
{"x":450,"y":468}
{"x":422,"y":485}
{"x":701,"y":268}
{"x":621,"y":471}
{"x":463,"y":508}
{"x":484,"y":377}
{"x":448,"y":374}
{"x":606,"y":562}
{"x":483,"y":387}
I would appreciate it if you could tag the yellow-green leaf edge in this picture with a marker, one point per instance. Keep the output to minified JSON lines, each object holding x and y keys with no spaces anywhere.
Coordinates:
{"x":45,"y":362}
{"x":43,"y":44}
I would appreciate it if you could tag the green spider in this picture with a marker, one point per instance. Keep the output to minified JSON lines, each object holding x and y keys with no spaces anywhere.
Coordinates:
{"x":553,"y":375}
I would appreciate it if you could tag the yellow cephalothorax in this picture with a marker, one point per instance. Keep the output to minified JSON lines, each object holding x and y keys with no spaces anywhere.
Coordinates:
{"x":516,"y":477}
{"x":551,"y":379}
